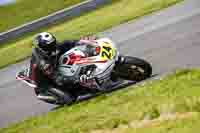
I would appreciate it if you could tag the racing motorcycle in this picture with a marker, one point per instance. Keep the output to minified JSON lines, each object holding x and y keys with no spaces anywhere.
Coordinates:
{"x":97,"y":56}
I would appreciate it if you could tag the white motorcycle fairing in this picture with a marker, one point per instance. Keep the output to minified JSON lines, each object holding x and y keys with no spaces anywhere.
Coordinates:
{"x":104,"y":59}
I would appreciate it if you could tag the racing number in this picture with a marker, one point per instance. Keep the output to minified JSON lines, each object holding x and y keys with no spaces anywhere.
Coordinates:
{"x":107,"y":52}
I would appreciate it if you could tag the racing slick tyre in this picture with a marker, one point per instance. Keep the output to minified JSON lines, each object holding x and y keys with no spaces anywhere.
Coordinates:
{"x":132,"y":68}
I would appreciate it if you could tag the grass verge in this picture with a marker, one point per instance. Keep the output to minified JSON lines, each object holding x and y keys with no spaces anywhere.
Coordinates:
{"x":178,"y":93}
{"x":24,"y":11}
{"x":119,"y":11}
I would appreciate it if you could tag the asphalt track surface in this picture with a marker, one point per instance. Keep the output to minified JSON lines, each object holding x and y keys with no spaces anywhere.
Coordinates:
{"x":169,"y":39}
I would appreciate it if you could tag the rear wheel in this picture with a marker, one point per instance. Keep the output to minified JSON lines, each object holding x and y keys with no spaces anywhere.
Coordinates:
{"x":132,"y":68}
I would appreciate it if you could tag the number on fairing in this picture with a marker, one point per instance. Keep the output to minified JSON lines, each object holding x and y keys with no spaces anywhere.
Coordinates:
{"x":108,"y":52}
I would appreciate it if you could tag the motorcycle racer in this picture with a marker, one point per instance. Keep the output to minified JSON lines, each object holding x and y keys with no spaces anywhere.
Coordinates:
{"x":62,"y":73}
{"x":42,"y":70}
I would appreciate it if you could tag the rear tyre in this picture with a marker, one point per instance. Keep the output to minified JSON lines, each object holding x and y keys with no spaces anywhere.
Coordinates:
{"x":132,"y":68}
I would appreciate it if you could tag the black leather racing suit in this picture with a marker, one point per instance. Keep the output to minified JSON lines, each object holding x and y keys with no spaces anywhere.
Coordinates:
{"x":43,"y":65}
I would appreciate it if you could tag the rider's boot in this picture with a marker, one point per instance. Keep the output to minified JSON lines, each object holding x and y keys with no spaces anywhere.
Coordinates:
{"x":48,"y":98}
{"x":62,"y":97}
{"x":55,"y":96}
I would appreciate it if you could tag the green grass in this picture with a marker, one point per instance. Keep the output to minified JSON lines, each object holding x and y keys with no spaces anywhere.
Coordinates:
{"x":189,"y":125}
{"x":176,"y":93}
{"x":118,"y":12}
{"x":24,"y":11}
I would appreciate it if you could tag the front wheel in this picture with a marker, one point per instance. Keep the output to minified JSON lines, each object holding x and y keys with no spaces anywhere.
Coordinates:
{"x":132,"y":68}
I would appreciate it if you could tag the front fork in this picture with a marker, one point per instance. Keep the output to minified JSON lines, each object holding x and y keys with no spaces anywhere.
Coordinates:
{"x":120,"y":60}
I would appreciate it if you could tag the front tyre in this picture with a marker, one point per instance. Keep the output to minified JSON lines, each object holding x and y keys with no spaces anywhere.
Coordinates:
{"x":132,"y":68}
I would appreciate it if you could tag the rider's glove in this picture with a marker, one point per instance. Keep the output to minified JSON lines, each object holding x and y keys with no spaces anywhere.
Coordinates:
{"x":85,"y":78}
{"x":87,"y":74}
{"x":87,"y":40}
